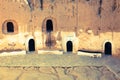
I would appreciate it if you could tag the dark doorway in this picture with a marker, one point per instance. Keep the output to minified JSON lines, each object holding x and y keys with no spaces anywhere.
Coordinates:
{"x":10,"y":27}
{"x":49,"y":26}
{"x":69,"y":46}
{"x":31,"y":45}
{"x":108,"y":48}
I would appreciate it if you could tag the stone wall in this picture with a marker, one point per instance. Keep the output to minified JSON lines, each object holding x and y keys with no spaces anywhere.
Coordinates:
{"x":87,"y":24}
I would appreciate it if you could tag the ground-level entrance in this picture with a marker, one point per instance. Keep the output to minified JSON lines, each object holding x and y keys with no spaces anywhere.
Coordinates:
{"x":108,"y":48}
{"x":31,"y":45}
{"x":49,"y":38}
{"x":69,"y":46}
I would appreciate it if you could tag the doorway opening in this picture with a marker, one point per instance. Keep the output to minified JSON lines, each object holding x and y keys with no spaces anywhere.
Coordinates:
{"x":10,"y":27}
{"x":31,"y":45}
{"x":108,"y":48}
{"x":69,"y":46}
{"x":49,"y":25}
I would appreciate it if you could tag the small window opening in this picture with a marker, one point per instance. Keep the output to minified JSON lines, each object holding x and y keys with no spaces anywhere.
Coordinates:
{"x":10,"y":27}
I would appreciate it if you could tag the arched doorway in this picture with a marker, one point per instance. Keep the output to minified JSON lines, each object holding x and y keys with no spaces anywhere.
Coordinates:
{"x":10,"y":27}
{"x":108,"y":48}
{"x":49,"y":25}
{"x":31,"y":45}
{"x":49,"y":29}
{"x":69,"y":46}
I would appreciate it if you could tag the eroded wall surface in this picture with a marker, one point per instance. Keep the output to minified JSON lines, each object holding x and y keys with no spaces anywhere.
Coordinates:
{"x":57,"y":24}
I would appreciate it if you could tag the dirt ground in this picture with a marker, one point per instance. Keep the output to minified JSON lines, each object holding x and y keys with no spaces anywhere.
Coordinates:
{"x":59,"y":67}
{"x":57,"y":73}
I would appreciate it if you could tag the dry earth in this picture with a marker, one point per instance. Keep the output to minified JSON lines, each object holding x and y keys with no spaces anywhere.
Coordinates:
{"x":59,"y":67}
{"x":57,"y":73}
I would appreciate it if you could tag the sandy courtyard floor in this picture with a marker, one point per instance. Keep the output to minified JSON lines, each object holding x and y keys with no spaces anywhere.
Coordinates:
{"x":59,"y":67}
{"x":57,"y":73}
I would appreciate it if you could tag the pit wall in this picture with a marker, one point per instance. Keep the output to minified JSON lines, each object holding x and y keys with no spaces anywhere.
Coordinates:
{"x":13,"y":41}
{"x":81,"y":22}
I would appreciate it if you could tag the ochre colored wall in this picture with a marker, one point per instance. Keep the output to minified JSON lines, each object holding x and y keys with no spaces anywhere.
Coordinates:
{"x":88,"y":24}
